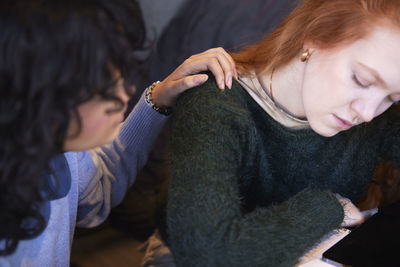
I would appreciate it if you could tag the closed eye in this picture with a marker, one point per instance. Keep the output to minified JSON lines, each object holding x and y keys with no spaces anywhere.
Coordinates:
{"x":357,"y":81}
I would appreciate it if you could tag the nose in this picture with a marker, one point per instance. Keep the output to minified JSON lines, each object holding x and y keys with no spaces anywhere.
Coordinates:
{"x":366,"y":109}
{"x":124,"y":96}
{"x":132,"y":89}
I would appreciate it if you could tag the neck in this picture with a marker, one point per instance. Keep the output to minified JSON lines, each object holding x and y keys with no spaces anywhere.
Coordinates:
{"x":286,"y":87}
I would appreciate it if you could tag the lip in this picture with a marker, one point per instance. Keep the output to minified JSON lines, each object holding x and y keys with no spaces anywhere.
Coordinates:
{"x":343,"y":124}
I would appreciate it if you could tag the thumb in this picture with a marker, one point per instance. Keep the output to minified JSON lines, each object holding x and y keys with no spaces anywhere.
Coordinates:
{"x":191,"y":81}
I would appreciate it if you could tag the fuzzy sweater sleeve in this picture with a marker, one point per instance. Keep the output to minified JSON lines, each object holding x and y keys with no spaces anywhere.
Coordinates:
{"x":212,"y":144}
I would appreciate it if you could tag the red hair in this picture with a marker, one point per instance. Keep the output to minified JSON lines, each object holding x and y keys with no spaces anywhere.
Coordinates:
{"x":325,"y":22}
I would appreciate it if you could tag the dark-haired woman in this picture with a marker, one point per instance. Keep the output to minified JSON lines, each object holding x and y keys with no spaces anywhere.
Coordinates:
{"x":65,"y":80}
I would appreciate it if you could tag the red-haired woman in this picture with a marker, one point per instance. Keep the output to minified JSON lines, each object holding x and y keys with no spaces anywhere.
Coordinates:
{"x":255,"y":171}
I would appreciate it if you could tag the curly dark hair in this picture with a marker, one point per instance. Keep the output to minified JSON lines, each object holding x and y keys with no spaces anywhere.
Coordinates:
{"x":54,"y":55}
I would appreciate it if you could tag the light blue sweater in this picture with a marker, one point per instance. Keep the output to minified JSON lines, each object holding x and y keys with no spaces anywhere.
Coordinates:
{"x":98,"y":181}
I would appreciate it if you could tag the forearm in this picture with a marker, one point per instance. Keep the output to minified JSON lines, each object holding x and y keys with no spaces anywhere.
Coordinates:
{"x":212,"y":230}
{"x":112,"y":168}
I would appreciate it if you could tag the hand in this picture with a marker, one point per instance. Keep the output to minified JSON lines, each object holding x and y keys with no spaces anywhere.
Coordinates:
{"x":217,"y":60}
{"x":352,"y":215}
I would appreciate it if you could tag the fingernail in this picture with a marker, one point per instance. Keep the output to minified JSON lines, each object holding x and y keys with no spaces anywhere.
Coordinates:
{"x":221,"y":84}
{"x":229,"y":82}
{"x":200,"y":79}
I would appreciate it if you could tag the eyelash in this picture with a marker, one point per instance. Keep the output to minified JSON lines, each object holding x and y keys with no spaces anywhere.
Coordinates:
{"x":354,"y":78}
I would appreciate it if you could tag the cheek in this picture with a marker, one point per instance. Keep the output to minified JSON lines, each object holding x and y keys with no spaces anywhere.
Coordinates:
{"x":326,"y":81}
{"x":317,"y":103}
{"x":94,"y":124}
{"x":382,"y":108}
{"x":95,"y":120}
{"x":101,"y":123}
{"x":97,"y":127}
{"x":313,"y":95}
{"x":326,"y":91}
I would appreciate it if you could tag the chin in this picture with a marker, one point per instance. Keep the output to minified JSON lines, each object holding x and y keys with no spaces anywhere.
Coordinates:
{"x":324,"y":131}
{"x":326,"y":134}
{"x":329,"y":134}
{"x":113,"y":135}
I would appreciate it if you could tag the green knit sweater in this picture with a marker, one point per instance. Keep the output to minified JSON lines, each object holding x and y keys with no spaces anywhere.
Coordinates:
{"x":246,"y":191}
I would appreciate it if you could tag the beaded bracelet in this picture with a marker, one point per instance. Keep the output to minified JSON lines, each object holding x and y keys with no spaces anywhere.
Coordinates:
{"x":149,"y":100}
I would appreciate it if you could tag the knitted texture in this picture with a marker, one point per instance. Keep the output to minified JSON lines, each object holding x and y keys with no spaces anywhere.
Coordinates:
{"x":246,"y":191}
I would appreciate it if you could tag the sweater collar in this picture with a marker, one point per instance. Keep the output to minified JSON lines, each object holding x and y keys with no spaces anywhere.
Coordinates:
{"x":255,"y":89}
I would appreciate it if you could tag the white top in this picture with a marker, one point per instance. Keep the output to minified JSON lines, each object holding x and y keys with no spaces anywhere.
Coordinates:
{"x":255,"y":89}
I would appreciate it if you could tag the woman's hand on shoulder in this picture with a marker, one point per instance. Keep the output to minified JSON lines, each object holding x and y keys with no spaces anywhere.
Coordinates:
{"x":216,"y":60}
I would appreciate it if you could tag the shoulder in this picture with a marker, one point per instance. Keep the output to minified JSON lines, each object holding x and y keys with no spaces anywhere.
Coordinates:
{"x":209,"y":99}
{"x":209,"y":115}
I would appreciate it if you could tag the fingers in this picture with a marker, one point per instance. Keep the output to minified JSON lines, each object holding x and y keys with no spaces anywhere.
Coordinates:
{"x":216,"y":60}
{"x":190,"y":81}
{"x":166,"y":92}
{"x":229,"y":58}
{"x":352,"y":215}
{"x":221,"y":72}
{"x":221,"y":64}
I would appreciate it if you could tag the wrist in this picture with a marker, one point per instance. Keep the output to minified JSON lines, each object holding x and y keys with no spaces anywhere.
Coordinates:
{"x":148,"y":95}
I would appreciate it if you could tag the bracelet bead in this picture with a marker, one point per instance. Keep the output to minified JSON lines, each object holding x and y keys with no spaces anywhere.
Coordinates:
{"x":147,"y":96}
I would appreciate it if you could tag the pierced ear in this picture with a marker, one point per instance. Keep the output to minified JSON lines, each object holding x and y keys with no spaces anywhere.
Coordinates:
{"x":309,"y":46}
{"x":311,"y":50}
{"x":308,"y":49}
